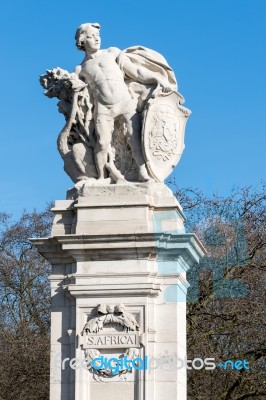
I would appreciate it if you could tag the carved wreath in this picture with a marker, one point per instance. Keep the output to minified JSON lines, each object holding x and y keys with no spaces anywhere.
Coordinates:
{"x":107,"y":315}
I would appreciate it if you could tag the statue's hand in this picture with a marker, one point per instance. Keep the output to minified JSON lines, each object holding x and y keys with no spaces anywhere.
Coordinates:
{"x":167,"y":89}
{"x":164,"y":86}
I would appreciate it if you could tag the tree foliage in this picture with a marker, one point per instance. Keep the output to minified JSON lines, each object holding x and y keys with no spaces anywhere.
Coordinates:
{"x":25,"y":308}
{"x":226,"y":300}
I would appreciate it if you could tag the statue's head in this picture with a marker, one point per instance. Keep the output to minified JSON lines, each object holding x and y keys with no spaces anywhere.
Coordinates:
{"x":88,"y":36}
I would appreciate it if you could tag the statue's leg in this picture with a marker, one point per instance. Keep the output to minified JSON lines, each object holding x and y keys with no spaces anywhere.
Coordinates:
{"x":134,"y":140}
{"x":104,"y":128}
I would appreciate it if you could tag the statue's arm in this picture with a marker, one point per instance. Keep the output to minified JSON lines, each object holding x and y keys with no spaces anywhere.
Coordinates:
{"x":137,"y":72}
{"x":115,"y":51}
{"x":143,"y":75}
{"x":77,"y":69}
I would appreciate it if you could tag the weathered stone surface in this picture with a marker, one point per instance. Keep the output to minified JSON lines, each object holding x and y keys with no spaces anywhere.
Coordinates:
{"x":124,"y":119}
{"x":118,"y":246}
{"x":110,"y":271}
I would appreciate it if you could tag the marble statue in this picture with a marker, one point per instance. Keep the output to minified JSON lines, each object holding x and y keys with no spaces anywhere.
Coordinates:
{"x":118,"y":246}
{"x":124,"y":119}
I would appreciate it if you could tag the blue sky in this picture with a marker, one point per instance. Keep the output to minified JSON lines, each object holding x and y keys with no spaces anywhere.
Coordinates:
{"x":216,"y":48}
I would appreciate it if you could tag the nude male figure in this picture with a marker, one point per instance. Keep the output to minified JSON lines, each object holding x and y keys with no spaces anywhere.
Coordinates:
{"x":111,"y":97}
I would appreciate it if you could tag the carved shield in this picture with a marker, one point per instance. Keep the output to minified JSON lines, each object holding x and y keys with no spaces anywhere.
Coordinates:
{"x":163,"y":133}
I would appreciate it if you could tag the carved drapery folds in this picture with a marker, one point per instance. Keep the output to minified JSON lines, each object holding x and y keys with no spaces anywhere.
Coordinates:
{"x":118,"y":134}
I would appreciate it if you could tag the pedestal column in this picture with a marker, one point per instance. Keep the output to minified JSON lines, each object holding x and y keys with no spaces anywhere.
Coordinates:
{"x":119,"y":258}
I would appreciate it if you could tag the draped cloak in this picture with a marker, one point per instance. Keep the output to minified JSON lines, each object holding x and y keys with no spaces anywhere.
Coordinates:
{"x":154,"y":62}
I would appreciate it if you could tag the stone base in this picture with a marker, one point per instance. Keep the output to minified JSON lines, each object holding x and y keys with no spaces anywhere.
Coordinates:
{"x":123,"y":246}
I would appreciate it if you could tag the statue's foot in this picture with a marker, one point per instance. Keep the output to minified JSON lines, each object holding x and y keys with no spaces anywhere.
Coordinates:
{"x":82,"y":180}
{"x":143,"y":175}
{"x":85,"y":178}
{"x":121,"y":181}
{"x":149,"y":179}
{"x":115,"y":174}
{"x":103,"y":181}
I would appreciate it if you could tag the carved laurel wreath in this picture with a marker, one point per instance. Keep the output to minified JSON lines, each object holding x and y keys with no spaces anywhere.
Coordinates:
{"x":108,"y":315}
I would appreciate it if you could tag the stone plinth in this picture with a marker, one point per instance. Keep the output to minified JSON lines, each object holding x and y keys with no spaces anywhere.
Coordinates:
{"x":119,"y":257}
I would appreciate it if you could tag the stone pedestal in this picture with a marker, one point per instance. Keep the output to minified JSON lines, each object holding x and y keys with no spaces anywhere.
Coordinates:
{"x":119,"y":257}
